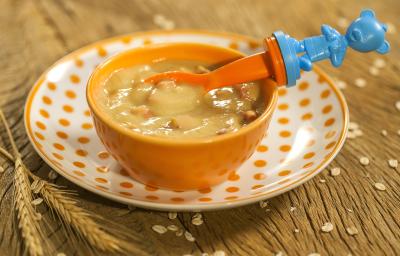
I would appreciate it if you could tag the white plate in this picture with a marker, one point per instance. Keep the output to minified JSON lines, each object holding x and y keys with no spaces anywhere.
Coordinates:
{"x":306,"y":132}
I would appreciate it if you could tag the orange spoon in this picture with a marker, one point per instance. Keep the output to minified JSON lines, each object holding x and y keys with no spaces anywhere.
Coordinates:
{"x":285,"y":56}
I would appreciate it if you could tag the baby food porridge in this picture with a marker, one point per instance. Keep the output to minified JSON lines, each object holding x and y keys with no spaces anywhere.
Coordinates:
{"x":177,"y":110}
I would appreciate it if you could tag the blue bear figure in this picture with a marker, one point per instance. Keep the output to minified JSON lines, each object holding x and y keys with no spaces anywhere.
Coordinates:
{"x":364,"y":34}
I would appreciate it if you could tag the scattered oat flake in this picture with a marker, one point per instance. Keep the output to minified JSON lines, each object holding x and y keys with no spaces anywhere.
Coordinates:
{"x":358,"y":132}
{"x":159,"y":229}
{"x":398,"y":132}
{"x":322,"y":181}
{"x":393,"y":163}
{"x":352,"y":231}
{"x":179,"y":232}
{"x":397,"y":105}
{"x":341,"y":84}
{"x":292,"y":208}
{"x":364,"y":161}
{"x":384,"y":133}
{"x":353,"y":126}
{"x":38,"y":216}
{"x":349,"y":210}
{"x":52,"y":175}
{"x":351,"y":135}
{"x":380,"y":186}
{"x":327,"y":227}
{"x":360,"y":82}
{"x":61,"y":254}
{"x":379,"y":63}
{"x":197,"y":221}
{"x":172,"y":215}
{"x":296,"y":230}
{"x":189,"y":236}
{"x":335,"y":171}
{"x":37,"y":201}
{"x":1,"y":169}
{"x":219,"y":253}
{"x":279,"y":254}
{"x":314,"y":254}
{"x":373,"y":71}
{"x":263,"y":204}
{"x":172,"y":228}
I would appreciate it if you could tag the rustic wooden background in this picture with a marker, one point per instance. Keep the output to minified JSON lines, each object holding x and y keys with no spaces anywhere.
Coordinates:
{"x":34,"y":34}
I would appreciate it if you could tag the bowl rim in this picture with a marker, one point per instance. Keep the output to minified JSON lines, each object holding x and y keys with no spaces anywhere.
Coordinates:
{"x":267,"y":113}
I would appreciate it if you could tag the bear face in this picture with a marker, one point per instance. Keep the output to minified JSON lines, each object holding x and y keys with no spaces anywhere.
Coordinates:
{"x":367,"y":34}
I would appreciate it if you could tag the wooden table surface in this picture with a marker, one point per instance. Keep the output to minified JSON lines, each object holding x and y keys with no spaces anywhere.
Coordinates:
{"x":35,"y":33}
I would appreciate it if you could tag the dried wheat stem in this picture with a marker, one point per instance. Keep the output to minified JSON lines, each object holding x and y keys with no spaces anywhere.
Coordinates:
{"x":27,"y":216}
{"x":79,"y":219}
{"x":9,"y":134}
{"x":6,"y":154}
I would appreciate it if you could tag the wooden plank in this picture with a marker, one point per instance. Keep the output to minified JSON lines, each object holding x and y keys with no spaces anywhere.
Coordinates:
{"x":40,"y":32}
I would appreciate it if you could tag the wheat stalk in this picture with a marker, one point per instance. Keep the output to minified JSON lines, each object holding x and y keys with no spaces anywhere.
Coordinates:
{"x":77,"y":222}
{"x":26,"y":214}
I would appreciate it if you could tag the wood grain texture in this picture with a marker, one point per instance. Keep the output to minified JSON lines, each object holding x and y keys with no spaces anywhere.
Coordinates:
{"x":35,"y":33}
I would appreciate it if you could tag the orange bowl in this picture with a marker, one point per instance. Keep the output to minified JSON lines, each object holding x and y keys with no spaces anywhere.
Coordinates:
{"x":169,"y":162}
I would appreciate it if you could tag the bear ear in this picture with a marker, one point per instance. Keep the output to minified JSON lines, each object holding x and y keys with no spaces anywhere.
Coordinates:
{"x":384,"y":48}
{"x":367,"y":13}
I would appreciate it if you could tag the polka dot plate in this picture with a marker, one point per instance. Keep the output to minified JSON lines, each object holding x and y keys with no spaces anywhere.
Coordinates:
{"x":307,"y":131}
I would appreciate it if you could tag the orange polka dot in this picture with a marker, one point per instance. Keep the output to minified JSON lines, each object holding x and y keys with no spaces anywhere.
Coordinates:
{"x":68,"y":108}
{"x":101,"y":180}
{"x":230,"y":197}
{"x":330,"y":134}
{"x":234,"y":45}
{"x":303,"y":86}
{"x":283,"y":120}
{"x":103,"y":155}
{"x":147,"y":41}
{"x":177,"y":199}
{"x":260,"y":163}
{"x":285,"y":148}
{"x":86,"y":113}
{"x":310,"y":143}
{"x":62,"y":135}
{"x":64,"y":122}
{"x":150,"y":188}
{"x":285,"y":134}
{"x":87,"y":126}
{"x":262,"y":148}
{"x":325,"y":94}
{"x":150,"y":197}
{"x":124,"y":193}
{"x":283,"y":106}
{"x":204,"y":190}
{"x":306,"y":116}
{"x":83,"y":140}
{"x":327,"y":109}
{"x":41,"y":125}
{"x":39,"y":136}
{"x":102,"y":169}
{"x":329,"y":122}
{"x":81,"y":152}
{"x":101,"y":52}
{"x":44,"y":113}
{"x":308,"y":165}
{"x":47,"y":100}
{"x":58,"y":146}
{"x":78,"y":63}
{"x":282,"y":92}
{"x":70,"y":94}
{"x":259,"y":176}
{"x":257,"y":186}
{"x":330,"y":145}
{"x":232,"y":189}
{"x":79,"y":164}
{"x":126,"y":184}
{"x":284,"y":173}
{"x":51,"y":86}
{"x":74,"y":79}
{"x":309,"y":155}
{"x":205,"y":199}
{"x":233,"y":176}
{"x":321,"y":79}
{"x":78,"y":173}
{"x":304,"y":102}
{"x":58,"y":156}
{"x":253,"y":45}
{"x":126,"y":39}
